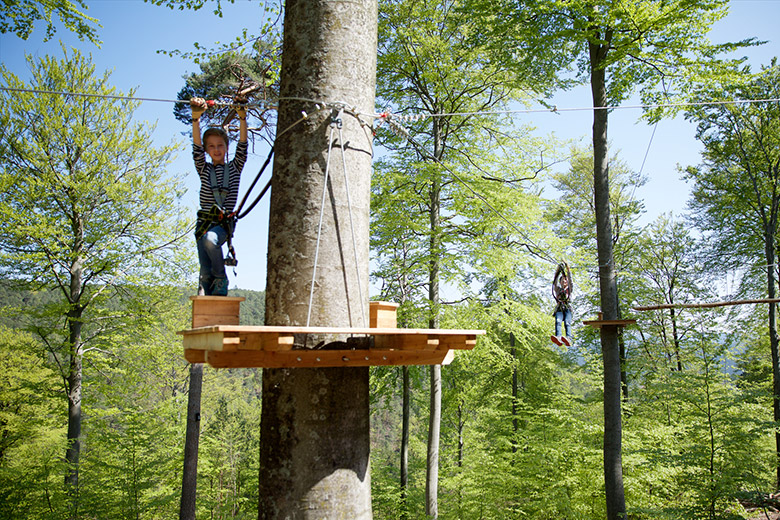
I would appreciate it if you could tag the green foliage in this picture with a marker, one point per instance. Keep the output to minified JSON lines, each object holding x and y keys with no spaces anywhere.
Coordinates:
{"x":230,"y":443}
{"x":698,"y":440}
{"x":252,"y":308}
{"x":83,"y":190}
{"x":735,"y":189}
{"x":232,"y":76}
{"x":20,"y":16}
{"x":660,"y":48}
{"x":30,"y":434}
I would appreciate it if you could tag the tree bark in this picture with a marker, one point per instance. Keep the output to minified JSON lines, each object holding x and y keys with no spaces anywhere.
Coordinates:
{"x":515,"y":425}
{"x":314,"y":449}
{"x":434,"y":419}
{"x":405,"y":406}
{"x":771,"y":283}
{"x":189,"y":479}
{"x":73,"y":450}
{"x":434,"y":422}
{"x":613,"y":466}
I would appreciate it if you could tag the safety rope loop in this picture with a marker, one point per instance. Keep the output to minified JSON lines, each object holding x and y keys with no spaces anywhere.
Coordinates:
{"x":352,"y":227}
{"x":319,"y":226}
{"x":238,"y":212}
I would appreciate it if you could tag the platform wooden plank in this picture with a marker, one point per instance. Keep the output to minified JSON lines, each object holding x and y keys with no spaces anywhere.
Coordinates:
{"x":326,"y":358}
{"x":356,"y":331}
{"x":597,"y":324}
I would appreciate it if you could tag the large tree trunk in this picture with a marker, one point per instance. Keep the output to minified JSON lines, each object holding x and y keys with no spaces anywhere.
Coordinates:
{"x":613,"y":466}
{"x":314,"y":453}
{"x":189,"y":479}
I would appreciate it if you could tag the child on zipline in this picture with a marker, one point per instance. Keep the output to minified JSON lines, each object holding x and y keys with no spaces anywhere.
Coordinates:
{"x":561,"y":288}
{"x":219,"y":180}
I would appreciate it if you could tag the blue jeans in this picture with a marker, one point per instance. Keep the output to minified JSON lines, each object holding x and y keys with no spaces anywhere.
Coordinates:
{"x":565,"y":317}
{"x":212,"y":263}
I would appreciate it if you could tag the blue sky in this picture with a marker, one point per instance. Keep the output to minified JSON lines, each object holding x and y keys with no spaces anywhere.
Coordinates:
{"x":132,"y":32}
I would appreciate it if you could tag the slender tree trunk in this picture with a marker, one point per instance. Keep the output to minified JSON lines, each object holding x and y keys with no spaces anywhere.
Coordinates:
{"x":74,"y":421}
{"x":73,"y":451}
{"x":771,"y":283}
{"x":314,"y":449}
{"x":189,"y":478}
{"x":675,"y":335}
{"x":434,"y":422}
{"x":515,"y":426}
{"x":461,"y":428}
{"x":613,"y":466}
{"x":75,"y":322}
{"x":405,"y":441}
{"x":434,"y":419}
{"x":623,"y":359}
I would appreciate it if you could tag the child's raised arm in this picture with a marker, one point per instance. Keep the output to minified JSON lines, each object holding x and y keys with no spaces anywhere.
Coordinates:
{"x":198,"y":107}
{"x":241,"y":113}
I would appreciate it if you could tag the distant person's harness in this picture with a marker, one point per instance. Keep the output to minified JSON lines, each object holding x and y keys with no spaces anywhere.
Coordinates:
{"x":562,"y":296}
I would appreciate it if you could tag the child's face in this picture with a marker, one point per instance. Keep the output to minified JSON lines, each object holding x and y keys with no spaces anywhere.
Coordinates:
{"x":216,"y":148}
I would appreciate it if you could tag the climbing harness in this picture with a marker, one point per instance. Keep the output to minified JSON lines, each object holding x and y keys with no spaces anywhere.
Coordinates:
{"x":560,"y":294}
{"x":216,"y":215}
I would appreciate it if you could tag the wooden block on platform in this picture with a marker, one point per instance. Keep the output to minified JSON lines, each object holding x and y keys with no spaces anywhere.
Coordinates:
{"x":272,"y":341}
{"x":458,"y":341}
{"x":382,"y":315}
{"x":405,"y":341}
{"x":215,"y":310}
{"x":195,"y":355}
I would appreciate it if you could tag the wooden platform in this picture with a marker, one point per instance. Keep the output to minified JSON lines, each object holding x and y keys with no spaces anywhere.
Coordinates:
{"x":597,"y":324}
{"x":225,"y":344}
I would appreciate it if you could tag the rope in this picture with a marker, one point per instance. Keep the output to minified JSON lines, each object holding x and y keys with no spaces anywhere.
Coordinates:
{"x":92,"y":95}
{"x":704,"y":305}
{"x":408,"y":117}
{"x":351,"y":224}
{"x":238,"y":213}
{"x":555,"y":109}
{"x":319,"y":226}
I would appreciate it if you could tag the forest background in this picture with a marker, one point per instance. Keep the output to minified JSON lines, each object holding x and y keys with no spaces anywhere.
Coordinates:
{"x":522,"y":421}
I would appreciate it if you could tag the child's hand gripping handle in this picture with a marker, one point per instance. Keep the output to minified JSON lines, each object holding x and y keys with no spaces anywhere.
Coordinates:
{"x":199,"y":105}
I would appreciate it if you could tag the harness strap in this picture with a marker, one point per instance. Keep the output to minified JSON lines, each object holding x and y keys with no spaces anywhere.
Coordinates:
{"x":220,"y":191}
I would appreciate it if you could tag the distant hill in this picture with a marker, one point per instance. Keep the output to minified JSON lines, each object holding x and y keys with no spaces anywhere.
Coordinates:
{"x":253,"y":308}
{"x":17,"y":295}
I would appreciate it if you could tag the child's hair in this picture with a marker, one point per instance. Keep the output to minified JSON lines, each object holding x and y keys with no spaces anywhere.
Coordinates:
{"x":215,"y":130}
